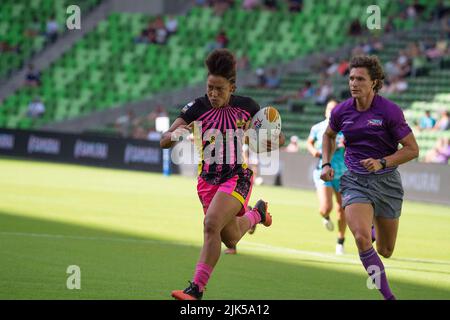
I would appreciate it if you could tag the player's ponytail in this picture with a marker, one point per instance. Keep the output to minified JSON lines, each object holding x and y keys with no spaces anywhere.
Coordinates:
{"x":221,"y":62}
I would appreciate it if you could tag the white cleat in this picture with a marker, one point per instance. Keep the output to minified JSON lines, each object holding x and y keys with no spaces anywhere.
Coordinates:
{"x":328,"y":224}
{"x":340,"y":249}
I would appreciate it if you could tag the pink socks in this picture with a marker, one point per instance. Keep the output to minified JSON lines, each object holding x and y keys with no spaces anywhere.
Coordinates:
{"x":202,"y":274}
{"x":253,"y":216}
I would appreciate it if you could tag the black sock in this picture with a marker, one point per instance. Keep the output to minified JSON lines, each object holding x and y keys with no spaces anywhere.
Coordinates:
{"x":340,"y":240}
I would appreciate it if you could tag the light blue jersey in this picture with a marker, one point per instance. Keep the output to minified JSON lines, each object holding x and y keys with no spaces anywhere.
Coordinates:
{"x":337,"y":162}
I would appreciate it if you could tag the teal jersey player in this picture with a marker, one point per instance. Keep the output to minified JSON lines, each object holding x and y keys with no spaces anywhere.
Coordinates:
{"x":337,"y":162}
{"x":325,"y":189}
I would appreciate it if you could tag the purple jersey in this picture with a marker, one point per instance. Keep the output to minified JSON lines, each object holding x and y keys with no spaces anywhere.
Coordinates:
{"x":373,"y":133}
{"x":226,"y":121}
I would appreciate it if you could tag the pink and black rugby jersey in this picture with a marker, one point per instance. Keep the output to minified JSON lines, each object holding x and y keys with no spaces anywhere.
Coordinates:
{"x":221,"y":135}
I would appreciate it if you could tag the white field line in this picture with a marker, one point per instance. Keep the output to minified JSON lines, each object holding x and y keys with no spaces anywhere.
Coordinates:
{"x":245,"y":246}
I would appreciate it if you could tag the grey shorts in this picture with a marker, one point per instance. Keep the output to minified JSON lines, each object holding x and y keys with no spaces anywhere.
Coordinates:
{"x":384,"y":192}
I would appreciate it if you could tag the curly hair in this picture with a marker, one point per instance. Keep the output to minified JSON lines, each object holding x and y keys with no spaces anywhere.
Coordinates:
{"x":373,"y":66}
{"x":221,"y":62}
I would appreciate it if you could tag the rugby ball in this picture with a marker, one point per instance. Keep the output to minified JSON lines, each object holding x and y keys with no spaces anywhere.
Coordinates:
{"x":266,"y":125}
{"x":267,"y":118}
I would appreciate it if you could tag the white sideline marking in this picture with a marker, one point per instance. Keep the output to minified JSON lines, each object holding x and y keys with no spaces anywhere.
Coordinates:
{"x":248,"y":246}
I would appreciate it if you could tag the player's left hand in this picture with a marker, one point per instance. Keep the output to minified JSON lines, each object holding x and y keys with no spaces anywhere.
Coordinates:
{"x":372,"y":165}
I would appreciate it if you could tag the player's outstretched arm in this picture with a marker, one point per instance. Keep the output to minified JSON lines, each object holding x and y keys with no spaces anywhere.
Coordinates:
{"x":311,"y":149}
{"x":171,"y":136}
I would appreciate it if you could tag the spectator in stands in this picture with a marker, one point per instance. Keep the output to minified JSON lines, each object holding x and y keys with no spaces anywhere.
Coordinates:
{"x":153,"y":135}
{"x":34,"y":27}
{"x":305,"y":92}
{"x":427,"y":122}
{"x":411,"y":12}
{"x":160,"y":32}
{"x":139,"y":133}
{"x":324,"y":91}
{"x":250,"y":4}
{"x":399,"y":67}
{"x":243,"y":63}
{"x":273,"y":80}
{"x":143,"y":37}
{"x":443,"y":123}
{"x":331,"y":66}
{"x":124,"y":124}
{"x":161,"y":36}
{"x":440,"y":10}
{"x":220,"y":6}
{"x":151,"y":36}
{"x":295,"y":5}
{"x":157,"y":112}
{"x":33,"y":77}
{"x":418,"y":60}
{"x":446,"y":24}
{"x":367,"y":48}
{"x":269,"y":81}
{"x":392,"y":69}
{"x":343,"y":68}
{"x":440,"y":153}
{"x":155,"y":32}
{"x":52,"y":30}
{"x":375,"y":46}
{"x":36,"y":108}
{"x":271,"y":5}
{"x":355,"y":28}
{"x":419,"y":8}
{"x":293,"y":145}
{"x":220,"y":42}
{"x":157,"y":23}
{"x":358,"y":50}
{"x":395,"y":85}
{"x":437,"y":51}
{"x":6,"y":47}
{"x":261,"y":78}
{"x":404,"y":64}
{"x":171,"y":25}
{"x":389,"y":26}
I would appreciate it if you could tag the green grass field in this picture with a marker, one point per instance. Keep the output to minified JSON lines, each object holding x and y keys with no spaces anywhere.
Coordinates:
{"x":137,"y":235}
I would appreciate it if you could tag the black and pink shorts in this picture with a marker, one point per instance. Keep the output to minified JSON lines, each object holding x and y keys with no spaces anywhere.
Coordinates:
{"x":239,"y":186}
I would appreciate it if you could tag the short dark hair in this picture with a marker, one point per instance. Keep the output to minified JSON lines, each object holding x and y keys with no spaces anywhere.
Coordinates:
{"x":221,"y":62}
{"x":373,"y":66}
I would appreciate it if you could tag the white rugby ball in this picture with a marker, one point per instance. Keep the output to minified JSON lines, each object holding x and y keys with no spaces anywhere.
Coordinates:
{"x":266,"y":124}
{"x":267,"y":118}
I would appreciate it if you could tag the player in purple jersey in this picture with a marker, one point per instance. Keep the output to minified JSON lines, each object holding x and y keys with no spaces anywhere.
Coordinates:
{"x":371,"y":189}
{"x":224,"y":182}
